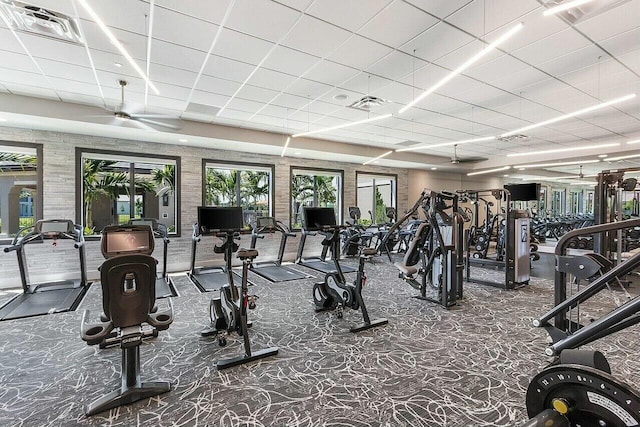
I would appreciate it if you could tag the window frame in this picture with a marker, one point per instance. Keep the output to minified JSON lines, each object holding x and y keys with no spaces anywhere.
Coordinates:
{"x":224,"y":164}
{"x":79,"y":190}
{"x":373,"y":174}
{"x":339,"y":172}
{"x":39,"y":180}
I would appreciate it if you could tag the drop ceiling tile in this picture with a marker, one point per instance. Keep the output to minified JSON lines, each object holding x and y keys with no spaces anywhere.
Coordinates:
{"x":351,"y":97}
{"x":287,"y":100}
{"x":271,"y":79}
{"x":297,"y":4}
{"x":437,"y":42}
{"x":245,"y":105}
{"x":324,"y":108}
{"x":228,"y":69}
{"x":440,"y":8}
{"x":258,"y":94}
{"x":235,"y":114}
{"x":8,"y":75}
{"x":459,"y":56}
{"x":611,"y":22}
{"x":350,"y":15}
{"x":8,"y":41}
{"x":23,"y":88}
{"x":216,"y":85}
{"x":552,"y":47}
{"x":183,"y":30}
{"x":209,"y":98}
{"x":620,"y":44}
{"x":163,"y":74}
{"x":275,"y":111}
{"x":77,"y":98}
{"x":289,"y":61}
{"x":18,"y":61}
{"x":396,"y":65}
{"x":67,"y":71}
{"x":264,"y":19}
{"x":177,"y":105}
{"x":308,"y":88}
{"x":632,"y":60}
{"x":365,"y":83}
{"x":42,"y":47}
{"x":135,"y":44}
{"x":496,"y":12}
{"x":304,"y":37}
{"x":330,"y":73}
{"x":177,"y":56}
{"x":179,"y":93}
{"x":536,"y":27}
{"x":414,"y":21}
{"x":520,"y":81}
{"x":241,"y":47}
{"x":201,"y":9}
{"x":359,"y":52}
{"x":75,"y":86}
{"x":133,"y":21}
{"x":397,"y":93}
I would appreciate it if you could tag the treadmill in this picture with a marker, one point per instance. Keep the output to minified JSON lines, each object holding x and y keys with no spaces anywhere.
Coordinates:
{"x":273,"y":270}
{"x":165,"y":287}
{"x":318,"y":263}
{"x":38,"y":299}
{"x":209,"y":279}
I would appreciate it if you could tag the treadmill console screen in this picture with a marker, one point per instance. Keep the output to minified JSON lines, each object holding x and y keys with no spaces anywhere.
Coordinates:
{"x":316,"y":218}
{"x":54,"y":227}
{"x":127,"y":241}
{"x":266,"y":222}
{"x":149,"y":222}
{"x":212,"y":219}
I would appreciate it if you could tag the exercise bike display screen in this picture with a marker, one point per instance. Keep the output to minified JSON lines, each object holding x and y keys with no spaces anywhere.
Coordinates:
{"x":316,"y":218}
{"x":211,"y":219}
{"x":127,"y":242}
{"x":266,"y":222}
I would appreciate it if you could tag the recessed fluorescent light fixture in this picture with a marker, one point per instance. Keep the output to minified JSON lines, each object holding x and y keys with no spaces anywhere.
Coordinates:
{"x":550,"y":165}
{"x":573,"y":114}
{"x":489,"y":171}
{"x":117,"y":44}
{"x":565,"y":6}
{"x":563,"y":150}
{"x":635,"y":141}
{"x":631,"y":156}
{"x":286,"y":144}
{"x":464,"y":66}
{"x":345,"y":125}
{"x":447,"y":144}
{"x":374,"y":160}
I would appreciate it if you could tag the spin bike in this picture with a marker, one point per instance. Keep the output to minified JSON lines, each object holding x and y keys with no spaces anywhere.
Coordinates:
{"x":334,"y":293}
{"x":228,"y":312}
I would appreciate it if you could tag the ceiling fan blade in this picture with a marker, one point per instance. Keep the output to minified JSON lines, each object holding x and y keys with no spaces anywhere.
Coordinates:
{"x":174,"y":124}
{"x":154,"y":116}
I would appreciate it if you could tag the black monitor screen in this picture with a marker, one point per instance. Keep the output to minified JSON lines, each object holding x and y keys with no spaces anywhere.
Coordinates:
{"x":212,"y":219}
{"x":131,"y":241}
{"x":54,"y":226}
{"x":524,"y":192}
{"x":316,"y":218}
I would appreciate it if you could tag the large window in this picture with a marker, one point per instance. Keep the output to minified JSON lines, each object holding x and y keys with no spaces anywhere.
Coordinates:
{"x":240,"y":184}
{"x":312,"y":187}
{"x":20,"y":186}
{"x":375,"y":194}
{"x":116,"y":187}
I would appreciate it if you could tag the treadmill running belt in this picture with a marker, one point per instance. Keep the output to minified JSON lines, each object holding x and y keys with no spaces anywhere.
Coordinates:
{"x":212,"y":281}
{"x":164,"y":289}
{"x":276,"y":273}
{"x":40,"y":303}
{"x":326,"y":267}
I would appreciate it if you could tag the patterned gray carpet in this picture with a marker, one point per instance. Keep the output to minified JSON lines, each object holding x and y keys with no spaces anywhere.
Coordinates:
{"x":428,"y":367}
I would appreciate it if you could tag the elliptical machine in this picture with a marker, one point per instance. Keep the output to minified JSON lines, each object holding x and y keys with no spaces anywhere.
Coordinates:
{"x":334,"y":293}
{"x":228,"y":312}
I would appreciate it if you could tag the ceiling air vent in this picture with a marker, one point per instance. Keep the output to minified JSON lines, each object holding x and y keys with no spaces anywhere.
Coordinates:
{"x":513,"y":138}
{"x":585,"y":11}
{"x":43,"y":22}
{"x":367,"y":103}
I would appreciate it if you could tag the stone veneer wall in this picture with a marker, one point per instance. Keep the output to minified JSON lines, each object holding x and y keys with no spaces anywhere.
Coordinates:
{"x":59,"y":200}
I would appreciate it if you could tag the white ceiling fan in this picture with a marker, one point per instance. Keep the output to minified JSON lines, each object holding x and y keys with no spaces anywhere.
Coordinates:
{"x":457,"y":160}
{"x":127,"y":113}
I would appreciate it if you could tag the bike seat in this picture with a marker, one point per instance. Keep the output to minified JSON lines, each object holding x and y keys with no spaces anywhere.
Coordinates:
{"x":369,"y":251}
{"x":247,"y":253}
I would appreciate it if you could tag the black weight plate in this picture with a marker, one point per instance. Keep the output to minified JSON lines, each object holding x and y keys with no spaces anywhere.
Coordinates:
{"x":595,"y":398}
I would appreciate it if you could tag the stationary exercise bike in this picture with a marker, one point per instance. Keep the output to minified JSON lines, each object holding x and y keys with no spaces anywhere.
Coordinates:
{"x":228,"y":312}
{"x":334,"y":293}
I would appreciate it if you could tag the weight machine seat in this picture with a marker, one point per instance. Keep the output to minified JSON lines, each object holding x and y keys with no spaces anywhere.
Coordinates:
{"x":407,"y":270}
{"x":247,"y":253}
{"x":369,"y":251}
